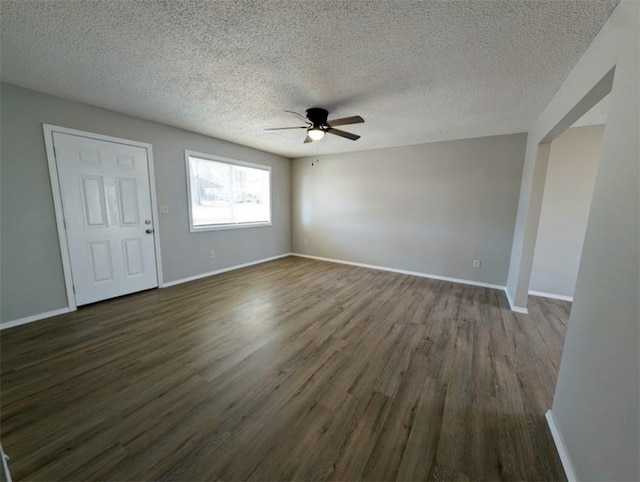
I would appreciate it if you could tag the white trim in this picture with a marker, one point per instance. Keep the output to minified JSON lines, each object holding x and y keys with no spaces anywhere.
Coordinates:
{"x":551,"y":295}
{"x":517,"y":309}
{"x":403,"y":271}
{"x":561,"y":447}
{"x":32,"y":318}
{"x":223,"y":270}
{"x":154,"y":212}
{"x":63,"y":241}
{"x":227,"y":160}
{"x":57,"y":206}
{"x":5,"y":466}
{"x":92,"y":135}
{"x":49,"y":314}
{"x":222,"y":227}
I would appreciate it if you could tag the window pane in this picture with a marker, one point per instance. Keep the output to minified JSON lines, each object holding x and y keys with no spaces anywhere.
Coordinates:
{"x":251,"y":194}
{"x":225,"y":194}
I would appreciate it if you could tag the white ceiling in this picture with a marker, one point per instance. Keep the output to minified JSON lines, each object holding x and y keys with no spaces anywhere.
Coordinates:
{"x":417,"y":71}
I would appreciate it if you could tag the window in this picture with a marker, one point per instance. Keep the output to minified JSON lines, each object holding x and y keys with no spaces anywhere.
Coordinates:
{"x":225,"y":194}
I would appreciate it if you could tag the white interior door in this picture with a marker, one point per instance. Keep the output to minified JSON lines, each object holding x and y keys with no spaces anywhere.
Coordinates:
{"x":106,"y":202}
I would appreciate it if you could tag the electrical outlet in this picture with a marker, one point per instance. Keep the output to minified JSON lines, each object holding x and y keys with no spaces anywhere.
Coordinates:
{"x":305,"y":241}
{"x":477,"y":263}
{"x":212,"y":253}
{"x":164,"y":209}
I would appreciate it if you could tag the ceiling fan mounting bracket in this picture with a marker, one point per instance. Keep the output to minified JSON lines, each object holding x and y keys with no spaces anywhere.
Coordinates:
{"x":317,"y":115}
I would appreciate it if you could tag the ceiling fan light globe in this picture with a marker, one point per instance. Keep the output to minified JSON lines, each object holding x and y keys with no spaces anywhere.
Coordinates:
{"x":316,"y":133}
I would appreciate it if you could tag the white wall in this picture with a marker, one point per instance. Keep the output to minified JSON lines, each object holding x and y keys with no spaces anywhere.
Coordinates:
{"x":568,"y":189}
{"x":597,"y":399}
{"x":429,"y":208}
{"x":31,"y":275}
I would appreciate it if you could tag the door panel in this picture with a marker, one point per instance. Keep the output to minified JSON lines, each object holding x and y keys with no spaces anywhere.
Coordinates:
{"x":88,"y":156}
{"x":106,"y":201}
{"x":134,"y":260}
{"x":101,"y":261}
{"x":128,"y":202}
{"x":94,"y":202}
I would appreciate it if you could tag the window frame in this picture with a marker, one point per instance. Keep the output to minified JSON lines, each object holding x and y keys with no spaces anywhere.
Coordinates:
{"x":226,"y":160}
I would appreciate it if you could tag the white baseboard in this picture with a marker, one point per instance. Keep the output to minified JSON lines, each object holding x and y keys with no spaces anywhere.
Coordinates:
{"x":223,"y":270}
{"x":551,"y":295}
{"x":517,"y":309}
{"x":561,"y":447}
{"x":5,"y":466}
{"x":32,"y":318}
{"x":49,"y":314}
{"x":403,"y":271}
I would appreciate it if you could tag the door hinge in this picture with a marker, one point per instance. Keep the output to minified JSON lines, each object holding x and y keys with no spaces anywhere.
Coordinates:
{"x":64,"y":223}
{"x":74,"y":288}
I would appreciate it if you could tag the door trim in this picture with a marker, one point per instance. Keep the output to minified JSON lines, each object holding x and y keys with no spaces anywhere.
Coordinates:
{"x":48,"y":131}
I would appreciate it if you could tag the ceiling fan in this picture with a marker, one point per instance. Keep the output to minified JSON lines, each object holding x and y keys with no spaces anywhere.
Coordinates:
{"x":317,"y":125}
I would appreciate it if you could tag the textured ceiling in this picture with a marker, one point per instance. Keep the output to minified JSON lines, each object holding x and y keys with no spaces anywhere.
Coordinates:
{"x":416,"y":71}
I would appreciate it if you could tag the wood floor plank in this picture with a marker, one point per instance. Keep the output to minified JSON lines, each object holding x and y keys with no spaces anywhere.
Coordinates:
{"x":357,"y":451}
{"x":385,"y":458}
{"x":421,"y":448}
{"x":295,"y":369}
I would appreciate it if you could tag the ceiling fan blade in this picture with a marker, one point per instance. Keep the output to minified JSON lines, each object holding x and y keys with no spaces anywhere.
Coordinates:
{"x":283,"y":128}
{"x":299,"y":115}
{"x":308,"y":139}
{"x":347,"y":135}
{"x":356,"y":119}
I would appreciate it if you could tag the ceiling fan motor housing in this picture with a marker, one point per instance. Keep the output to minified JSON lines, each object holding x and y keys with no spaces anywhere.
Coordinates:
{"x":317,"y":116}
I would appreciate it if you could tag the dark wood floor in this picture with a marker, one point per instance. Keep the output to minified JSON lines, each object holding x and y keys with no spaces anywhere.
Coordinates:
{"x":294,"y":369}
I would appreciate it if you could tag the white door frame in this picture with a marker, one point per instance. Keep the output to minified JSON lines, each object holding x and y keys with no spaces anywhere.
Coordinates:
{"x":49,"y":130}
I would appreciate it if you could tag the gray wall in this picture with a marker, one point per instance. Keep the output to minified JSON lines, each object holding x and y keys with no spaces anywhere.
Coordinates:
{"x":430,"y":208}
{"x":571,"y":173}
{"x":597,"y":400}
{"x":31,"y":268}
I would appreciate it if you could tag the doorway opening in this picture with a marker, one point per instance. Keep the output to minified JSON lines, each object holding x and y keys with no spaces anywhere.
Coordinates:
{"x":534,"y":180}
{"x":567,"y":193}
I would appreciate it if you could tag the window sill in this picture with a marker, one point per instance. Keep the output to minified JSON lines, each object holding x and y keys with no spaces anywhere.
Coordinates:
{"x":222,"y":227}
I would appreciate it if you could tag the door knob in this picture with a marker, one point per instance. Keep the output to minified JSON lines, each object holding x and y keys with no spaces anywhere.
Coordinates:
{"x":149,"y":231}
